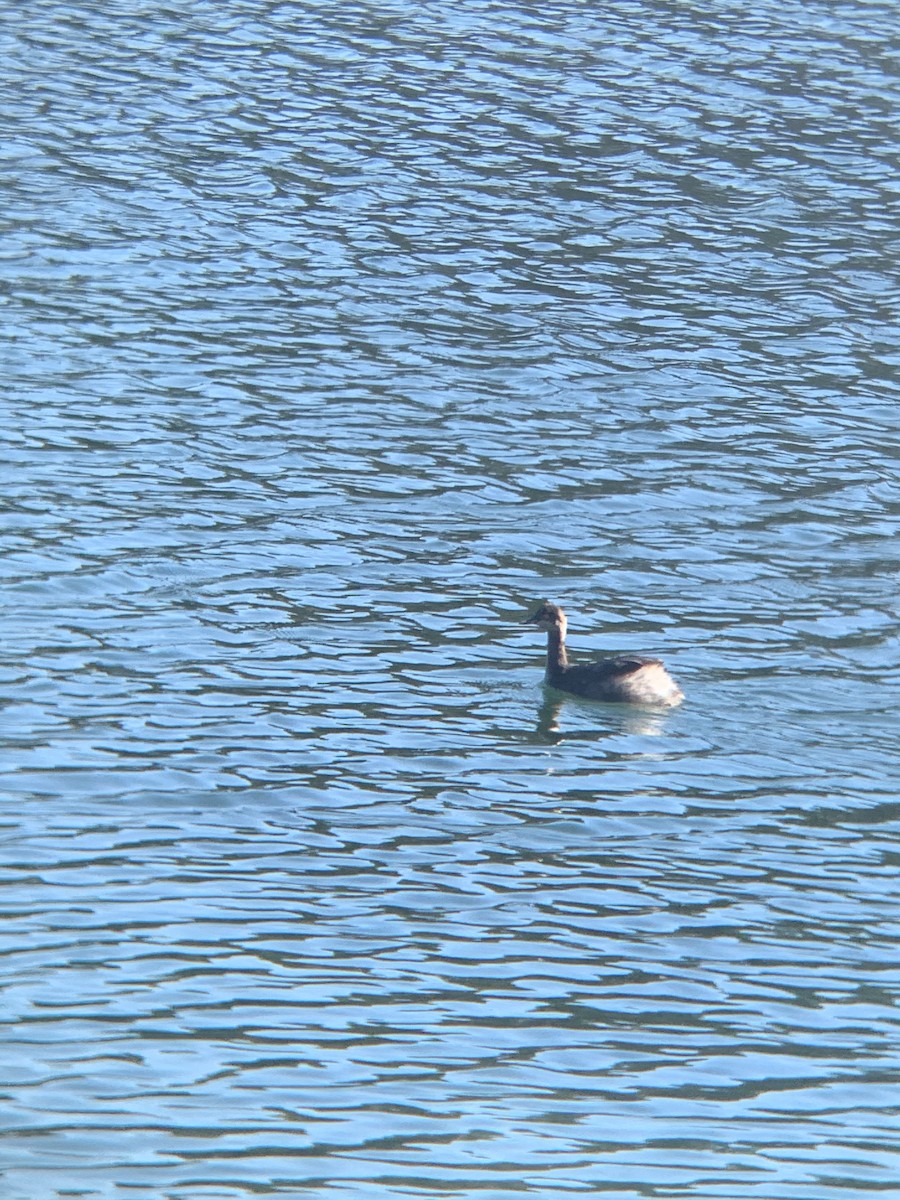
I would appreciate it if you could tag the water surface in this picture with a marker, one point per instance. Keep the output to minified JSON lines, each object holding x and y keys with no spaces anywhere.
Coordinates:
{"x":336,"y":335}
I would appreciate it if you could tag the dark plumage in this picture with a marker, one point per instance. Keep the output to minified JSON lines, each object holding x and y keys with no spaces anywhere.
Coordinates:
{"x":627,"y":679}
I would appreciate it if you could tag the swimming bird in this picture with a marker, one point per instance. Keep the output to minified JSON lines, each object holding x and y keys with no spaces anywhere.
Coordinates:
{"x":627,"y":679}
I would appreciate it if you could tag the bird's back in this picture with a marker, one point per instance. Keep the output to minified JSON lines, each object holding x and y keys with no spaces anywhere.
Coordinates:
{"x":628,"y":677}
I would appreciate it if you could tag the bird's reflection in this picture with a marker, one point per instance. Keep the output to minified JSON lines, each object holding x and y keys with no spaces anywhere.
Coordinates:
{"x":548,"y":719}
{"x":645,"y":722}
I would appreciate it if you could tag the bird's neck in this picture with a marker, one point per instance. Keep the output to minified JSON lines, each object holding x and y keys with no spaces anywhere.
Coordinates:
{"x":556,"y":652}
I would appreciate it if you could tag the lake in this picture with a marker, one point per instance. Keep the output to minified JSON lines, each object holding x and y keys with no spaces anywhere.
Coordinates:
{"x":336,"y":336}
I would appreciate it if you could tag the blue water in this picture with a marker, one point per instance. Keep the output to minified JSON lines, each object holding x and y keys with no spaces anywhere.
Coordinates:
{"x":336,"y":335}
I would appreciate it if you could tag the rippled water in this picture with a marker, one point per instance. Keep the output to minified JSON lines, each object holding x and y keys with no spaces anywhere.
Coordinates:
{"x":336,"y":335}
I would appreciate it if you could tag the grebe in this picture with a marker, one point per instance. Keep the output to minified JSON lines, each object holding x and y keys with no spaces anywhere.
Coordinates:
{"x":627,"y":679}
